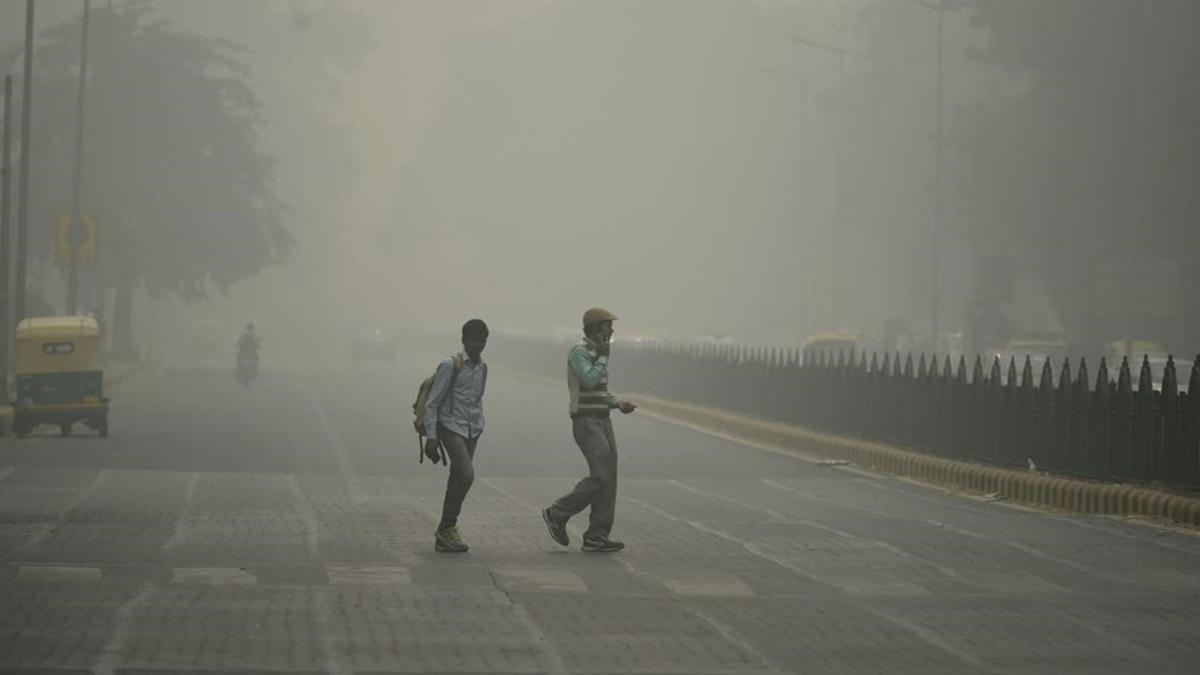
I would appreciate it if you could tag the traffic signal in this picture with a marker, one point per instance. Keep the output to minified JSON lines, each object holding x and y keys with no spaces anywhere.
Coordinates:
{"x":75,"y":239}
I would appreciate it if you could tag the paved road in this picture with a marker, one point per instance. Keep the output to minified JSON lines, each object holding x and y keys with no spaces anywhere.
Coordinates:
{"x":288,"y":527}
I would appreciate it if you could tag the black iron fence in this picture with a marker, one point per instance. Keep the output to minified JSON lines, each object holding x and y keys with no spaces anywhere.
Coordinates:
{"x":1105,"y":425}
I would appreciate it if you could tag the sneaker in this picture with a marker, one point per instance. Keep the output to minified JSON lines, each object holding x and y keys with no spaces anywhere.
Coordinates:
{"x":602,"y":545}
{"x":558,"y":531}
{"x":448,"y":541}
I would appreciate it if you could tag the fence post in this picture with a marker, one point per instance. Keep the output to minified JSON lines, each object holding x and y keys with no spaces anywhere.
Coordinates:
{"x":1102,"y":424}
{"x":1146,"y":459}
{"x":1173,"y":451}
{"x":1061,"y":436}
{"x":1192,"y":433}
{"x":1009,"y":415}
{"x":1081,"y":421}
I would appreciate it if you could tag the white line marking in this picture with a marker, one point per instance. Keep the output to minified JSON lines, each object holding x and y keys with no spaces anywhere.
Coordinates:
{"x":101,"y":477}
{"x":752,"y":548}
{"x":212,"y":576}
{"x":1079,"y":567}
{"x":106,"y":661}
{"x":308,"y":517}
{"x":930,"y":638}
{"x":345,"y":466}
{"x":183,"y":523}
{"x":57,"y":573}
{"x":360,"y":574}
{"x":725,"y":631}
{"x":950,"y":528}
{"x":337,"y":661}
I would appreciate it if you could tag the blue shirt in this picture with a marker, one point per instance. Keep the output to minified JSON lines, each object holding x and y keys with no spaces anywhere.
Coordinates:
{"x":461,"y":410}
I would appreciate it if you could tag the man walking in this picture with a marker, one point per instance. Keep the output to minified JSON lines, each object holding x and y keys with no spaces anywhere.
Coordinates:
{"x":587,"y":380}
{"x":454,"y":421}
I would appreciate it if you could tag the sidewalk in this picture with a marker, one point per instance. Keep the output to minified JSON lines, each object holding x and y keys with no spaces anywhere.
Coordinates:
{"x":116,"y":373}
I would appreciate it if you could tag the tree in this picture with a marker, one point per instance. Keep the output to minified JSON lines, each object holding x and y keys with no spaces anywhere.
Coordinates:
{"x":1087,"y":173}
{"x":173,"y":169}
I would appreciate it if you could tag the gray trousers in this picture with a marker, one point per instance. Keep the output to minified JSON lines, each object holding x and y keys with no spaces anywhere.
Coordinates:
{"x":594,"y":436}
{"x":461,"y":453}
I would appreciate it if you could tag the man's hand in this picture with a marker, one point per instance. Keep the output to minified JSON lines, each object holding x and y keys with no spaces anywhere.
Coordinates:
{"x":626,"y":407}
{"x":431,"y":450}
{"x":603,"y":348}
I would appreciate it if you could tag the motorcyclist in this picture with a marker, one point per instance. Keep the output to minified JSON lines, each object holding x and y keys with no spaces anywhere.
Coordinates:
{"x":249,"y":343}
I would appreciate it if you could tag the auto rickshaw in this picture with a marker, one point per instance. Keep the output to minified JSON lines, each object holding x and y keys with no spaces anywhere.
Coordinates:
{"x":59,"y":375}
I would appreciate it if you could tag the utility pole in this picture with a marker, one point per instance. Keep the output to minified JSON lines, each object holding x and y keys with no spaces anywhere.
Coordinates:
{"x":76,"y":227}
{"x":23,"y":197}
{"x":5,"y":243}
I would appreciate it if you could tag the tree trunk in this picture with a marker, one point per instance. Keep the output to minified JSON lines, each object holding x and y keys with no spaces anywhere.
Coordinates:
{"x":122,"y":319}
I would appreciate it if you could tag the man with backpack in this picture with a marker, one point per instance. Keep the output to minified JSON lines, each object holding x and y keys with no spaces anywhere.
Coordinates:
{"x":587,"y":380}
{"x":452,"y":423}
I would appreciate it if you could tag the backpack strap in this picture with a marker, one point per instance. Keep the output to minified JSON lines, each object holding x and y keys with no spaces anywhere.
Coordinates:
{"x":456,"y":364}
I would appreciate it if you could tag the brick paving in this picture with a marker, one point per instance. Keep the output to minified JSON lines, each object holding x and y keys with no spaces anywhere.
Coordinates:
{"x":113,"y":561}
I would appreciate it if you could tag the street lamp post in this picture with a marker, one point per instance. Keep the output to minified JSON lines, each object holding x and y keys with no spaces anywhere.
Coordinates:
{"x":77,"y":184}
{"x":23,"y":188}
{"x":837,"y":190}
{"x":935,"y":301}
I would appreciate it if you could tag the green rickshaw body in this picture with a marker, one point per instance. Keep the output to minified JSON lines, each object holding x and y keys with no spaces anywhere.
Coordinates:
{"x":59,"y":374}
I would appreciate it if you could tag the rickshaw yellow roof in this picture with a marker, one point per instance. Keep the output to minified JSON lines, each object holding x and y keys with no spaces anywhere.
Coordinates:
{"x":57,"y":326}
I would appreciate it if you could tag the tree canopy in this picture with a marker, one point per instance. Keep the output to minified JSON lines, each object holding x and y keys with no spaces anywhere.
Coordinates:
{"x":173,"y":169}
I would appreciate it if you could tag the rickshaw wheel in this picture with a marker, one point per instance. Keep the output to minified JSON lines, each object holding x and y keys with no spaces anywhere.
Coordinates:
{"x":65,"y":427}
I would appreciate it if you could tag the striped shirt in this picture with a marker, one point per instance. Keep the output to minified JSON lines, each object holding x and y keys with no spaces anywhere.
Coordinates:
{"x":587,"y":380}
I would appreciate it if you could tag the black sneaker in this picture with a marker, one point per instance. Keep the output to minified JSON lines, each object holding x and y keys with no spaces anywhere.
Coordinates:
{"x":558,"y":531}
{"x":602,"y":546}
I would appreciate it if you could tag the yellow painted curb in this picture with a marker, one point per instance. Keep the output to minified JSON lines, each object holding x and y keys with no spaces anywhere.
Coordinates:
{"x":1040,"y":489}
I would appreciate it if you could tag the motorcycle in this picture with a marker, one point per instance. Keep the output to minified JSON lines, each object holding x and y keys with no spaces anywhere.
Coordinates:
{"x":247,"y":368}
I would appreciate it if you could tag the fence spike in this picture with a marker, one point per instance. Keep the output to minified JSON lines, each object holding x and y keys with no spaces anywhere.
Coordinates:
{"x":1102,"y":375}
{"x":1194,"y":384}
{"x":977,"y":370}
{"x":875,"y":363}
{"x":1081,"y":380}
{"x":1170,"y":388}
{"x":1064,"y":376}
{"x":922,"y":373}
{"x":908,"y":366}
{"x":1145,"y":379}
{"x":961,"y":375}
{"x":1047,"y":381}
{"x":1124,"y":379}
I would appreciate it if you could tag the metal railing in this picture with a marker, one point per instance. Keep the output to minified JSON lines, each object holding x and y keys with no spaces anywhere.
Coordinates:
{"x":1107,"y":426}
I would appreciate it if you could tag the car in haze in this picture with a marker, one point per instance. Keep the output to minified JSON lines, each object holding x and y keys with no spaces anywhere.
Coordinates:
{"x":1039,"y":350}
{"x":1154,"y":354}
{"x":374,"y":344}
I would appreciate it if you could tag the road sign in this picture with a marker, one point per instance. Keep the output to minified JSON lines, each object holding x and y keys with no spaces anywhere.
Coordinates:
{"x":75,"y":239}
